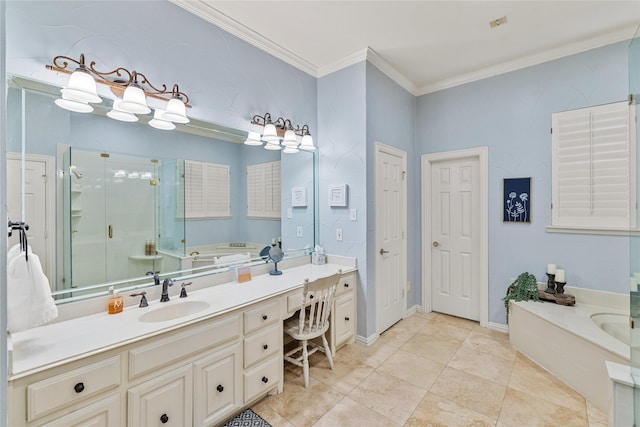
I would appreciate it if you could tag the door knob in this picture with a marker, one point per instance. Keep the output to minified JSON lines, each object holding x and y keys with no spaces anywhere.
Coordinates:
{"x":382,"y":251}
{"x":436,"y":244}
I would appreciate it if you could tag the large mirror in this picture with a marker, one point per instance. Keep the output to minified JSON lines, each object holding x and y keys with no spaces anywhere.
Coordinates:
{"x":108,"y":201}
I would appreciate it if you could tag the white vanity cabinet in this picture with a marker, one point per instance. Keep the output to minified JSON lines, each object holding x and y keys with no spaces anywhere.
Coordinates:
{"x":343,"y":315}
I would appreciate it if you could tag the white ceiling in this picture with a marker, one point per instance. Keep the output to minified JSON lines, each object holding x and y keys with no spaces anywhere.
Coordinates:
{"x":423,"y":45}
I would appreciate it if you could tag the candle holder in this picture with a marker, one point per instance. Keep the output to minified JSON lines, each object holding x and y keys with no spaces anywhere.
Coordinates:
{"x":560,"y":289}
{"x":551,"y":284}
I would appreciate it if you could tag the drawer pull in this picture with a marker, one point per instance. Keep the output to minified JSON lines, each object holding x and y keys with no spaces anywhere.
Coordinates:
{"x":164,"y":418}
{"x":265,"y":380}
{"x":346,"y":318}
{"x":265,"y":317}
{"x":311,"y":296}
{"x":79,"y":388}
{"x":220,"y":388}
{"x":346,"y":285}
{"x":265,"y":346}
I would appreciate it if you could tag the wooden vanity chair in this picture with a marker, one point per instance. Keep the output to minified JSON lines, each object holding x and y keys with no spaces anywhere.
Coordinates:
{"x":313,"y":322}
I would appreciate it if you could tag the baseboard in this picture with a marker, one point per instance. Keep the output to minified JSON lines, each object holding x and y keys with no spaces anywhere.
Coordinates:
{"x":412,"y":310}
{"x":500,"y":327}
{"x":367,"y":340}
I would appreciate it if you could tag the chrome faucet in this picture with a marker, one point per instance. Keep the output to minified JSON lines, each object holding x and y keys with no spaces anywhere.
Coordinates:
{"x":156,"y":278}
{"x":165,"y":290}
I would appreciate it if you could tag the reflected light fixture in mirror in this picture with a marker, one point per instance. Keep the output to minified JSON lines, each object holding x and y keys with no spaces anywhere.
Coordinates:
{"x":281,"y":128}
{"x":159,"y":123}
{"x":135,"y":90}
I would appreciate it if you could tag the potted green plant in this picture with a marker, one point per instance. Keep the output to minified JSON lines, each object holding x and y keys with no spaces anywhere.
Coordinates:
{"x":524,"y":288}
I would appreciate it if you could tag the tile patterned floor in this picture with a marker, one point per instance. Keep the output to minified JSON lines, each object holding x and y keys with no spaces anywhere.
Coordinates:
{"x":428,"y":370}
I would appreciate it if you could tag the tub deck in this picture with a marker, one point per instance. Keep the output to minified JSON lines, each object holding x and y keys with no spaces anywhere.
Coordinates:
{"x":567,"y":343}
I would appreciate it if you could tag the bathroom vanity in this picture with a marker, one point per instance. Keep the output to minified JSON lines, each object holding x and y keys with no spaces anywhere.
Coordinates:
{"x":190,"y":361}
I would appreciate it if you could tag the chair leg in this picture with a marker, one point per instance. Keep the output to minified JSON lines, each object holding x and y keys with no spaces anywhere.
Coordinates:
{"x":327,"y":350}
{"x":305,"y":363}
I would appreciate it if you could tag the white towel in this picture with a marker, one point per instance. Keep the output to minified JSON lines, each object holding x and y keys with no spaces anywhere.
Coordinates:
{"x":29,"y":300}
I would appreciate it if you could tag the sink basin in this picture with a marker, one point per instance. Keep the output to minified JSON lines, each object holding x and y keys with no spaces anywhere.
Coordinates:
{"x":173,"y":311}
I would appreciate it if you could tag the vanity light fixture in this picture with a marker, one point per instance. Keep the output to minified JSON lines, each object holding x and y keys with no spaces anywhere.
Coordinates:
{"x":293,"y":139}
{"x":134,"y":87}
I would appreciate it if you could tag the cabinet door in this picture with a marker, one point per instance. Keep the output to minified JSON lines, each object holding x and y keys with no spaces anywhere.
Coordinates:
{"x":104,"y":413}
{"x":344,"y":320}
{"x":217,"y":385}
{"x":163,"y":401}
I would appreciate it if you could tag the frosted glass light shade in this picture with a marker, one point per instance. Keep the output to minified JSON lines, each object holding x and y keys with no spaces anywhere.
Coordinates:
{"x":253,"y":138}
{"x":159,"y":123}
{"x":116,"y":113}
{"x":134,"y":101}
{"x":176,"y":111}
{"x":290,"y":150}
{"x":81,"y":87}
{"x":273,"y":146}
{"x":270,"y":134}
{"x":71,"y":105}
{"x":307,"y":143}
{"x":290,"y":139}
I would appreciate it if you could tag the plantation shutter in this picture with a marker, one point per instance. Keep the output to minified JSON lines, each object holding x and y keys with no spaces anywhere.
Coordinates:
{"x":263,"y":190}
{"x":594,"y":167}
{"x":207,"y":190}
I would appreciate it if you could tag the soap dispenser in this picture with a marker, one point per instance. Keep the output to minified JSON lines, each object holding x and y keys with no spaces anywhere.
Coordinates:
{"x":116,"y":302}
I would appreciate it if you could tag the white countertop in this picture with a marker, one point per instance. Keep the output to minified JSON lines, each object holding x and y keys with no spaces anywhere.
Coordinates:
{"x":51,"y":345}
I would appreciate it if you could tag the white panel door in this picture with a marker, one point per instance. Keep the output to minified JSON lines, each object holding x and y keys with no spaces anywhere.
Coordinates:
{"x":390,"y":236}
{"x":455,"y":227}
{"x":35,"y":209}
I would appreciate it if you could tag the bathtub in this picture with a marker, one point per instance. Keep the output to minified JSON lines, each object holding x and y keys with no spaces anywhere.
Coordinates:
{"x":573,"y":343}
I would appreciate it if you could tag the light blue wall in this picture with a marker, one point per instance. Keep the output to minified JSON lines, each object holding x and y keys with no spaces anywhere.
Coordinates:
{"x":391,"y":120}
{"x":511,"y":114}
{"x":343,"y":159}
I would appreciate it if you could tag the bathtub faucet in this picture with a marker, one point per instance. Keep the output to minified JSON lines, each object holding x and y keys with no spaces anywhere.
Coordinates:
{"x":156,"y":278}
{"x":165,"y":290}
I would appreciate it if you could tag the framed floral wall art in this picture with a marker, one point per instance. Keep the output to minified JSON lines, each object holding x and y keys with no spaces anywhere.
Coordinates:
{"x":516,"y":199}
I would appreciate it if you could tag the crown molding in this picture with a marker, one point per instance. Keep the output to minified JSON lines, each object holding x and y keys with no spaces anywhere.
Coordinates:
{"x":388,"y":69}
{"x":206,"y":11}
{"x":345,"y":62}
{"x":621,"y":34}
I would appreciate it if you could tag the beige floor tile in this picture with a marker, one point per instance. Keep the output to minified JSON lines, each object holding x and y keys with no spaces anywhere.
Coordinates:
{"x":412,"y":368}
{"x":300,"y":406}
{"x":483,"y":365}
{"x":269,"y":415}
{"x":523,"y":409}
{"x":530,"y":378}
{"x":348,"y":412}
{"x":497,"y":335}
{"x":396,"y":336}
{"x":438,"y":348}
{"x":413,"y":322}
{"x":345,"y":376}
{"x":388,"y":395}
{"x":472,"y":392}
{"x":437,"y":411}
{"x":373,"y":355}
{"x":455,"y":321}
{"x":488,"y":344}
{"x":596,"y":416}
{"x":447,"y":330}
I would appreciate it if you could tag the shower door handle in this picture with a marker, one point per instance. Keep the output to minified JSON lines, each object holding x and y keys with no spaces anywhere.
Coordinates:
{"x":110,"y":231}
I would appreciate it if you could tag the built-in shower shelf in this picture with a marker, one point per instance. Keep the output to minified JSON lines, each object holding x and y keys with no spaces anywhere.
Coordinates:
{"x":145,"y":257}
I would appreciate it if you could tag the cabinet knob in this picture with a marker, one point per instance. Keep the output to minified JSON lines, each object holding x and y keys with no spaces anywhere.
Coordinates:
{"x":311,"y":296}
{"x":265,"y":317}
{"x":265,"y":346}
{"x":346,"y":318}
{"x":164,"y":418}
{"x":220,"y":388}
{"x":346,"y":285}
{"x":79,"y":387}
{"x":265,"y":380}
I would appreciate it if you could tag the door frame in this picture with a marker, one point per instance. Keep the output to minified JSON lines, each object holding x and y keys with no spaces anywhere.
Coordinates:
{"x":380,"y":147}
{"x":50,"y":191}
{"x":482,"y":154}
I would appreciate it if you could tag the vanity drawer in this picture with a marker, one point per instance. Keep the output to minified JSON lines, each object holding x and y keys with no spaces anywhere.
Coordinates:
{"x":258,"y":317}
{"x":178,"y":346}
{"x":293,"y":301}
{"x":346,"y":283}
{"x":261,"y":345}
{"x":262,"y":378}
{"x":49,"y":395}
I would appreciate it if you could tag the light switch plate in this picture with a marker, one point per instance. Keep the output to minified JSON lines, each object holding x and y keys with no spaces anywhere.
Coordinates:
{"x":289,"y":213}
{"x":353,"y":214}
{"x":339,"y":234}
{"x":299,"y":231}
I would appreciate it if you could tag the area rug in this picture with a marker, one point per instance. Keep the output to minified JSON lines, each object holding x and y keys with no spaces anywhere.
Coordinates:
{"x":247,"y":418}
